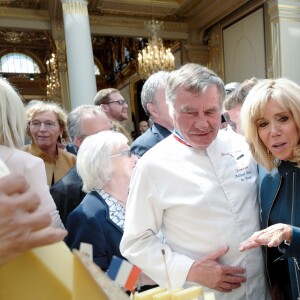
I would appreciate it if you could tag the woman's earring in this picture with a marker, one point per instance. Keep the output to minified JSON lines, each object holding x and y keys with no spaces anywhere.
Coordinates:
{"x":62,"y":140}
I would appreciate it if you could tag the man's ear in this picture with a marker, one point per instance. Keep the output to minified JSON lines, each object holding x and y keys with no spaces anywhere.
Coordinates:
{"x":104,"y":107}
{"x":77,"y":141}
{"x":152,"y":109}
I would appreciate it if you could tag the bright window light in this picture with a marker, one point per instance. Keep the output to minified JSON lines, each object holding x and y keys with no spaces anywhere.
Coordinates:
{"x":18,"y":63}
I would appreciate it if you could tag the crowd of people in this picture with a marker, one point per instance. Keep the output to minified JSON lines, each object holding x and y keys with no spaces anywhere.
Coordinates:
{"x":212,"y":180}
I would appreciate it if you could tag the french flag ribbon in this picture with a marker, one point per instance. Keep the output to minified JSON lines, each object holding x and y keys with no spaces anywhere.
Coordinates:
{"x":180,"y":138}
{"x":123,"y":273}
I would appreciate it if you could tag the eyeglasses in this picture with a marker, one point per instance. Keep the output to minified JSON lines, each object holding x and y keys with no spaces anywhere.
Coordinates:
{"x":127,"y":153}
{"x":47,"y":124}
{"x":120,"y":102}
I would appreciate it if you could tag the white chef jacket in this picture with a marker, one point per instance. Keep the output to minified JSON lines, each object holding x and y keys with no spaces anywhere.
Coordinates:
{"x":201,"y":200}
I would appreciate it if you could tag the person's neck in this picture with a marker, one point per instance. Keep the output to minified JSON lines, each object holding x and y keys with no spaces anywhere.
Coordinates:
{"x":166,"y":125}
{"x":118,"y":188}
{"x":53,"y":151}
{"x":112,"y":118}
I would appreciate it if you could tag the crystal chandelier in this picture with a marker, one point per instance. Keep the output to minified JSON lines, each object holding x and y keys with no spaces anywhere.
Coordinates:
{"x":53,"y":85}
{"x":154,"y":57}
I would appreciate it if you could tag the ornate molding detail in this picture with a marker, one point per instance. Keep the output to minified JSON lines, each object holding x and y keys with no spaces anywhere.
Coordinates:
{"x":215,"y":61}
{"x":275,"y":32}
{"x":61,"y":55}
{"x":197,"y":53}
{"x":121,"y":21}
{"x":17,"y":37}
{"x":284,"y":10}
{"x":78,"y":7}
{"x":27,"y":14}
{"x":32,"y":4}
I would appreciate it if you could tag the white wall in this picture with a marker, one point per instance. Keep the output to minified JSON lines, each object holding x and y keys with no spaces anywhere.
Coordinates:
{"x":244,"y":49}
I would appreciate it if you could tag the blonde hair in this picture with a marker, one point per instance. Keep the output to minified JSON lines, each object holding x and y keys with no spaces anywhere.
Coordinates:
{"x":12,"y":114}
{"x":40,"y":107}
{"x":285,"y":93}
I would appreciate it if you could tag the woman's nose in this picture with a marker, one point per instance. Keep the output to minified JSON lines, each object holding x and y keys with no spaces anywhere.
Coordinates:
{"x":43,"y":126}
{"x":275,"y":128}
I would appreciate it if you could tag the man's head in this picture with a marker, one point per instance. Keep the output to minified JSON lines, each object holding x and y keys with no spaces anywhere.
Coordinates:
{"x":231,"y":87}
{"x":234,"y":101}
{"x":195,"y":95}
{"x":154,"y":99}
{"x":86,"y":120}
{"x":113,"y":104}
{"x":143,"y":126}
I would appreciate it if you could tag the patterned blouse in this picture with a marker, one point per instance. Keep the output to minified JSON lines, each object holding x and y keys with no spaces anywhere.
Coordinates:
{"x":116,"y":210}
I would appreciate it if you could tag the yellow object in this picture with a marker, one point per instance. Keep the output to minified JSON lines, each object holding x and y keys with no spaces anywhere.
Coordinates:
{"x":54,"y":273}
{"x":209,"y":296}
{"x":188,"y":294}
{"x":166,"y":295}
{"x":91,"y":283}
{"x":44,"y":273}
{"x":148,"y":295}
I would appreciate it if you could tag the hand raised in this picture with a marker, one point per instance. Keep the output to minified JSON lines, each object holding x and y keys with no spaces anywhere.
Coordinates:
{"x":272,"y":236}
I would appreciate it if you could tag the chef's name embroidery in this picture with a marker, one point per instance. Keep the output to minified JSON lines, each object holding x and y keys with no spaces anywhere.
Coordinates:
{"x":242,"y":171}
{"x":243,"y":174}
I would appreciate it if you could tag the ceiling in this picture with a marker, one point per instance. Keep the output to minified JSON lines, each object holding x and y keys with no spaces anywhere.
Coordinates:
{"x":35,"y":25}
{"x":111,"y":17}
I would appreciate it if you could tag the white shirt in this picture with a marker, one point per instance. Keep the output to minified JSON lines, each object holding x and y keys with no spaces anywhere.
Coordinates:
{"x":33,"y":168}
{"x":201,"y":200}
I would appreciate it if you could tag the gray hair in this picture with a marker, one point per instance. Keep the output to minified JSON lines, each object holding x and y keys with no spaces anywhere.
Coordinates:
{"x":76,"y":115}
{"x":156,"y":80}
{"x":13,"y":117}
{"x":94,"y":158}
{"x":193,"y":78}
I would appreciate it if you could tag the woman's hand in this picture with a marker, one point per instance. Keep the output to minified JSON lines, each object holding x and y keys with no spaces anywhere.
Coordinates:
{"x":272,"y":236}
{"x":22,"y":225}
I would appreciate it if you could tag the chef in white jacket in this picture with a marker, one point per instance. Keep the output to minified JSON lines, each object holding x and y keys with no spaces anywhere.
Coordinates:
{"x":199,"y":188}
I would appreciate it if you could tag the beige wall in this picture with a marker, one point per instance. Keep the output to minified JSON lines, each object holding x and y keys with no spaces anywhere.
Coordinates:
{"x":244,"y":50}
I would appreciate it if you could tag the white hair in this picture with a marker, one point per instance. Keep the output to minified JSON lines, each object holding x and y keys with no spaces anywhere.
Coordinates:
{"x":94,"y":158}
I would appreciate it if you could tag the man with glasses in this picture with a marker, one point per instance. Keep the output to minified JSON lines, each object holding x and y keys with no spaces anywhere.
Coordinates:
{"x":113,"y":104}
{"x":83,"y":121}
{"x":115,"y":107}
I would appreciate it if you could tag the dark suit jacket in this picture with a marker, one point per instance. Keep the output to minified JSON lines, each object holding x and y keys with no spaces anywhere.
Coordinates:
{"x":150,"y":138}
{"x":89,"y":222}
{"x":67,"y":193}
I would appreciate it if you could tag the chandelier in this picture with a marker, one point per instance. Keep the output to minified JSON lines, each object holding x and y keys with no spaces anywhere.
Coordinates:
{"x":154,"y":57}
{"x":53,"y":85}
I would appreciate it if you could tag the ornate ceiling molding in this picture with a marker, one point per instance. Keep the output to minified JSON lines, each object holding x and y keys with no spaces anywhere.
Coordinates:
{"x":22,"y":13}
{"x":32,"y":4}
{"x":134,"y":27}
{"x":18,"y":37}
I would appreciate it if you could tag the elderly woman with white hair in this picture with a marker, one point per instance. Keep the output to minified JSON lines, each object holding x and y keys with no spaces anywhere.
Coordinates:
{"x":105,"y":164}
